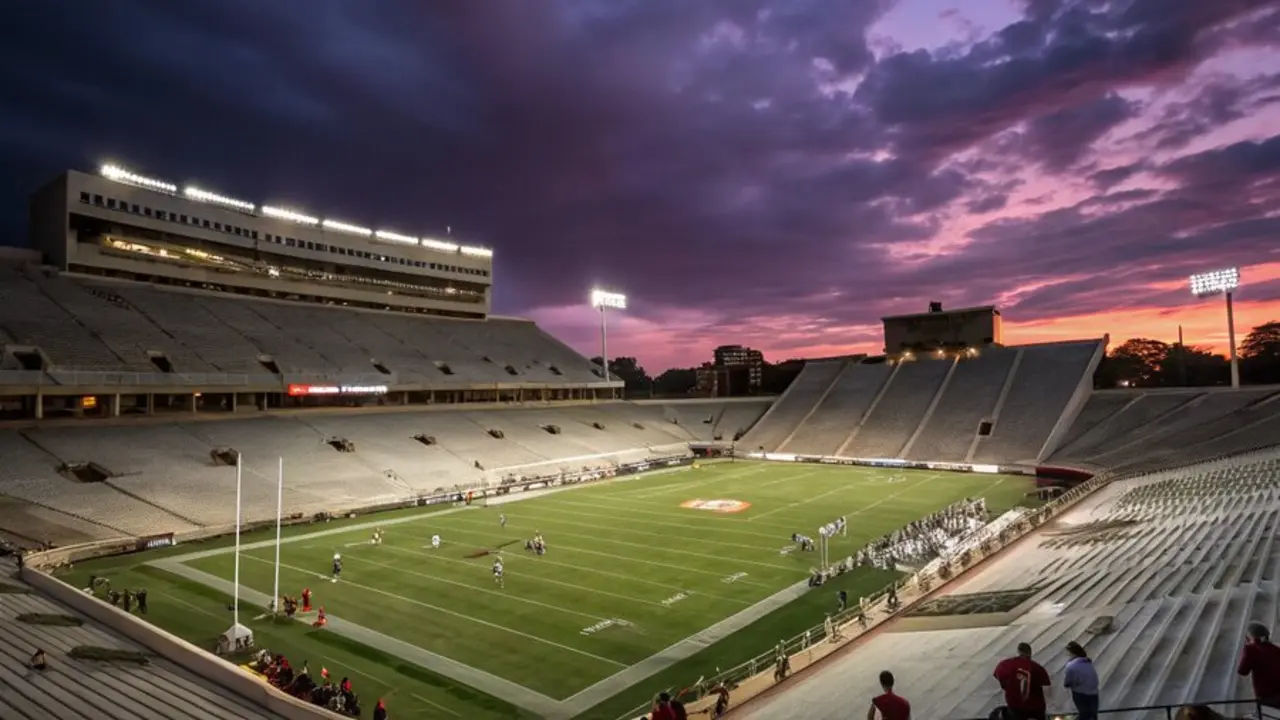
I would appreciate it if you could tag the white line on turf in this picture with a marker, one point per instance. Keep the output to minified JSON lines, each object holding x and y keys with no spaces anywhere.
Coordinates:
{"x":461,"y":616}
{"x":633,"y":578}
{"x":843,"y":488}
{"x":651,"y":548}
{"x":718,"y":527}
{"x":699,"y":541}
{"x":470,"y":586}
{"x":436,"y":705}
{"x":536,"y":578}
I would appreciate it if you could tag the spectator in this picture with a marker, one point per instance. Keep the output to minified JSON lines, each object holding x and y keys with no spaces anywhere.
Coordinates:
{"x":678,"y":708}
{"x":1260,"y":660}
{"x":141,"y":597}
{"x":1082,"y":680}
{"x":380,"y":710}
{"x":1023,"y":681}
{"x":890,"y":705}
{"x":662,"y":709}
{"x":38,"y":661}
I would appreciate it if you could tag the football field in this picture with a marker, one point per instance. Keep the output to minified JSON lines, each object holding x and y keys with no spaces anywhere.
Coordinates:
{"x":647,"y":582}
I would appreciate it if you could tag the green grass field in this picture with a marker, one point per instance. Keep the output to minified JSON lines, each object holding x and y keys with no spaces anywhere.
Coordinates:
{"x":624,"y":557}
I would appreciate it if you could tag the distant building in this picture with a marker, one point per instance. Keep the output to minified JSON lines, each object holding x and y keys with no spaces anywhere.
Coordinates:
{"x":975,"y":327}
{"x":737,"y":370}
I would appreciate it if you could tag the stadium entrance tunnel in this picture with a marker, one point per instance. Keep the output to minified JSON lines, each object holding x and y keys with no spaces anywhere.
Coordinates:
{"x":30,"y":359}
{"x":444,"y":368}
{"x":425,"y":439}
{"x":598,"y":425}
{"x":269,"y":363}
{"x":551,"y":429}
{"x":85,"y":472}
{"x":224,"y":455}
{"x":497,"y":434}
{"x":381,"y":368}
{"x":161,"y":361}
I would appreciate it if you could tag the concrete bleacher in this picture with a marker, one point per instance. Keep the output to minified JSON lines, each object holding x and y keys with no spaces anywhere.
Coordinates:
{"x":97,"y":324}
{"x":162,"y":477}
{"x":899,"y":411}
{"x":1045,"y":380}
{"x":825,"y":430}
{"x":1157,"y":577}
{"x":970,"y":397}
{"x":803,"y":395}
{"x":72,"y":689}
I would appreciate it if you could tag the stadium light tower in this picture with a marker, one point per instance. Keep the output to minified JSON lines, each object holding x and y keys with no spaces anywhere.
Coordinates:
{"x":1222,"y":282}
{"x":604,"y":301}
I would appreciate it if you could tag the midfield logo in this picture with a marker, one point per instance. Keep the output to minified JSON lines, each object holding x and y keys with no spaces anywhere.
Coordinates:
{"x":717,"y":506}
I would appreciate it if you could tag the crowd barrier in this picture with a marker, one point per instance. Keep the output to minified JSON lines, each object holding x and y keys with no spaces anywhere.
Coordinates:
{"x":894,"y":463}
{"x":759,"y":674}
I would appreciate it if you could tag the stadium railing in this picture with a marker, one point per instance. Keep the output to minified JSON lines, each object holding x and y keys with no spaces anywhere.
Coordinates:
{"x":757,"y":675}
{"x":1255,"y":708}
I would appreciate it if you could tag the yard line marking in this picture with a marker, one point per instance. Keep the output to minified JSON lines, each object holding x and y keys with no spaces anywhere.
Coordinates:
{"x":535,"y":577}
{"x":651,"y":548}
{"x":462,"y":616}
{"x":705,"y":516}
{"x":664,"y":535}
{"x":789,"y":478}
{"x":842,"y":488}
{"x":582,"y":568}
{"x":887,"y":498}
{"x":469,"y":586}
{"x":627,"y":558}
{"x":436,"y":705}
{"x":716,"y":477}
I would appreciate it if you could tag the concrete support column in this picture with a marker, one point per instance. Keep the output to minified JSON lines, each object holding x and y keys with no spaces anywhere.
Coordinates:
{"x":115,"y":405}
{"x":151,"y":404}
{"x":235,"y":398}
{"x":195,"y":402}
{"x":39,"y":405}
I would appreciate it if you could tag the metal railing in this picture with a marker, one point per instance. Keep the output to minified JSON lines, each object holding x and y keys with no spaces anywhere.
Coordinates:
{"x":910,"y":591}
{"x":1222,"y":709}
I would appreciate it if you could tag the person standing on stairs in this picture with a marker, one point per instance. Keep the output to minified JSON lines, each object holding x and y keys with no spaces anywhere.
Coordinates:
{"x":1260,"y":662}
{"x":1082,"y":680}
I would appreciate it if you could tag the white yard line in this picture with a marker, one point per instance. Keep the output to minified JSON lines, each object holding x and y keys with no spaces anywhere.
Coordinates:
{"x":842,"y":488}
{"x":701,"y":515}
{"x":650,"y":548}
{"x":789,"y":478}
{"x":436,"y":705}
{"x":485,"y":570}
{"x":669,"y":536}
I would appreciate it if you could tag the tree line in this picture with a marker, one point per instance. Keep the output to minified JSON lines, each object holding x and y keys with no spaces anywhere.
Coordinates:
{"x":1143,"y":362}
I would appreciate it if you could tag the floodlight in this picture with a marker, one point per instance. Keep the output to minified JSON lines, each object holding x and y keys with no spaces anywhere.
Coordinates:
{"x":439,"y":245}
{"x":290,"y":215}
{"x":336,"y":226}
{"x":601,"y":299}
{"x":395,"y":237}
{"x":196,"y":193}
{"x":1222,"y":282}
{"x":119,"y":174}
{"x":1216,"y":282}
{"x":476,"y":251}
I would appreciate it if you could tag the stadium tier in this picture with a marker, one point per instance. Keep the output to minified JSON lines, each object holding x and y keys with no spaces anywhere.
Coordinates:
{"x":1156,"y":577}
{"x":70,"y":688}
{"x":998,"y":406}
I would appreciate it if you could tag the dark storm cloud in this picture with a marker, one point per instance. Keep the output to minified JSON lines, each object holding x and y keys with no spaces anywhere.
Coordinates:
{"x":699,"y":154}
{"x":1218,"y":102}
{"x":1108,"y":178}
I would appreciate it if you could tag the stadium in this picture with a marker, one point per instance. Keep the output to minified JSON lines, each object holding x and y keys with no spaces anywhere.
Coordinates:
{"x":219,"y":414}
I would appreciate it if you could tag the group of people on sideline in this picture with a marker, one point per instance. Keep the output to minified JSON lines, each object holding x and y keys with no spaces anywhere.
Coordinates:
{"x":1025,"y":683}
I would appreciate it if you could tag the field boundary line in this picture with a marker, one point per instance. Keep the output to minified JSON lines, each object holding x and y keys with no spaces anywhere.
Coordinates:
{"x":772,"y":547}
{"x":604,"y":689}
{"x":717,"y":525}
{"x":482,"y":680}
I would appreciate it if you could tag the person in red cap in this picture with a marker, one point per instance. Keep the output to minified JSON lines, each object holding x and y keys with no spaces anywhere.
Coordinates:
{"x":380,"y":710}
{"x":306,"y":599}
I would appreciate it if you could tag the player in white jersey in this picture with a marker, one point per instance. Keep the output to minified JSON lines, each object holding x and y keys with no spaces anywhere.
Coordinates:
{"x":497,"y":572}
{"x":502,"y":520}
{"x":337,"y":566}
{"x":435,"y":542}
{"x":377,"y":537}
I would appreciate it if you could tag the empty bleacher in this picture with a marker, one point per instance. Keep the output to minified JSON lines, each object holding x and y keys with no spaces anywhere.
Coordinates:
{"x":96,"y":324}
{"x":970,"y":398}
{"x":825,"y":430}
{"x":73,"y":689}
{"x":1157,"y":578}
{"x":1045,"y":379}
{"x":899,"y":411}
{"x":805,"y":392}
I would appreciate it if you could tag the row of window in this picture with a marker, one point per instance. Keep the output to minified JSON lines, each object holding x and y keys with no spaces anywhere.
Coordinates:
{"x":113,"y":204}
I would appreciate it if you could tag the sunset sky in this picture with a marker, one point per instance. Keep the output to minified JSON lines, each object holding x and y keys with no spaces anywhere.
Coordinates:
{"x":778,"y":173}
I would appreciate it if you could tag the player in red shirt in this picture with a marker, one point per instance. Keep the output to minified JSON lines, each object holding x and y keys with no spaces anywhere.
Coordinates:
{"x":1023,"y":681}
{"x":1260,"y":660}
{"x":306,"y":600}
{"x":890,"y":705}
{"x":662,"y":709}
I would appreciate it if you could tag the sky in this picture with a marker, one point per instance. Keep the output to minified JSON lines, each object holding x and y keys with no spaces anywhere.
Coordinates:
{"x":777,"y":173}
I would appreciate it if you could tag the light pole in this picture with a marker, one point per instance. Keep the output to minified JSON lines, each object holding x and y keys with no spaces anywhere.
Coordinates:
{"x":603,"y":300}
{"x":1222,"y":282}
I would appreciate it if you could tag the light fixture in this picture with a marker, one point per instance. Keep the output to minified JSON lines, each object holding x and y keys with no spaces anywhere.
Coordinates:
{"x":289,"y":215}
{"x":196,"y":193}
{"x":119,"y":174}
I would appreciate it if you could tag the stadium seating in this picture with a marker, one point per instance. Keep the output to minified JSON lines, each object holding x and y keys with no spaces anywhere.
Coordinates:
{"x":1157,"y":577}
{"x":93,"y":324}
{"x":894,"y":419}
{"x":970,"y":397}
{"x":804,"y":394}
{"x":158,"y":478}
{"x":824,"y":431}
{"x":1045,"y":378}
{"x":73,"y":688}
